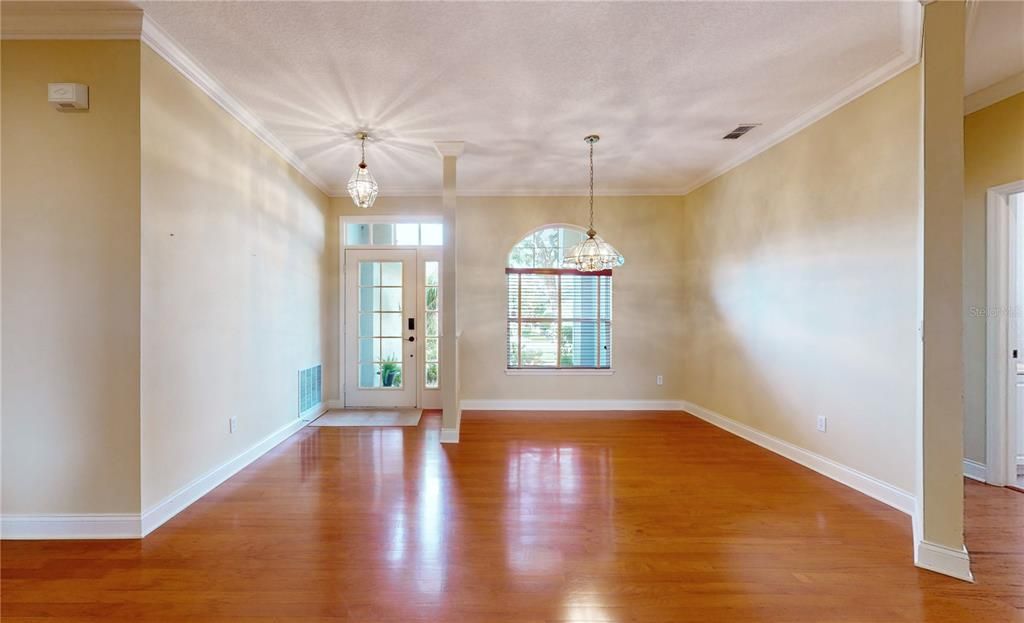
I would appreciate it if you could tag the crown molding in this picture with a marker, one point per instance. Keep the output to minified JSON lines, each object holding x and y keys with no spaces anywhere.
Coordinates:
{"x":164,"y":45}
{"x":524,"y":192}
{"x":70,"y":20}
{"x":983,"y":98}
{"x":911,"y":16}
{"x":119,"y":20}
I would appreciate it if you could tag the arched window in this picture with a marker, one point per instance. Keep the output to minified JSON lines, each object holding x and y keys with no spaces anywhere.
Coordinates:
{"x":558,"y":318}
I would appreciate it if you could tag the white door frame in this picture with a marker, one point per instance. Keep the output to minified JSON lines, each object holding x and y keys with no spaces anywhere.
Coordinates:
{"x":425,"y":399}
{"x":1001,"y":327}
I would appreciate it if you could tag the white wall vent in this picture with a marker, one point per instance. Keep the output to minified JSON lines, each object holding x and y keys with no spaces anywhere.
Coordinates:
{"x":310,"y":388}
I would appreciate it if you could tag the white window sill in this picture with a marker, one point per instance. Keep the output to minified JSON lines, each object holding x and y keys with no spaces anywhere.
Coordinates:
{"x":559,"y":372}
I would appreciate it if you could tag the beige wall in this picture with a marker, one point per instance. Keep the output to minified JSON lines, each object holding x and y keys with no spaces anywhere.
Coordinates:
{"x":237,"y":271}
{"x":647,"y":297}
{"x":993,"y":155}
{"x":800,"y":286}
{"x":70,"y":194}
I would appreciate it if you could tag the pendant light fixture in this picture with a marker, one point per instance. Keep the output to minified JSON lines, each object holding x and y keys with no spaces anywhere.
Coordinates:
{"x":361,"y":186}
{"x":593,"y":254}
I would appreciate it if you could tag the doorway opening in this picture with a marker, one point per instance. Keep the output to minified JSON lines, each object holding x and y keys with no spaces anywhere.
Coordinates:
{"x":391,"y":312}
{"x":1004,"y":417}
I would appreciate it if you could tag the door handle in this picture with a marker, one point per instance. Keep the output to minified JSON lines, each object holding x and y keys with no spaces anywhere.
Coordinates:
{"x":411,"y":338}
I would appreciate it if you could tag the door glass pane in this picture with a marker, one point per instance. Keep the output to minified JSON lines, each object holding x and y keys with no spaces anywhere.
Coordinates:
{"x":369,"y":325}
{"x":379,"y":349}
{"x":369,"y":375}
{"x":432,"y":270}
{"x":391,"y":274}
{"x":357,"y":234}
{"x":391,"y":349}
{"x":431,"y":328}
{"x":407,"y":234}
{"x":367,"y":349}
{"x":383,"y":234}
{"x":391,"y":325}
{"x":431,"y":234}
{"x":369,"y":273}
{"x":391,"y":299}
{"x":368,"y":299}
{"x":391,"y":375}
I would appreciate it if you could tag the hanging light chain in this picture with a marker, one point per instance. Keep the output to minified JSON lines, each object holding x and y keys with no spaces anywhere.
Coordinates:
{"x":593,"y":138}
{"x":362,"y":148}
{"x":591,"y":185}
{"x":592,"y":254}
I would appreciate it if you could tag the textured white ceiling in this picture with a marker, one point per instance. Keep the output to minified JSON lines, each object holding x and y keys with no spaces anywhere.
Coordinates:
{"x":995,"y":43}
{"x":523,"y":83}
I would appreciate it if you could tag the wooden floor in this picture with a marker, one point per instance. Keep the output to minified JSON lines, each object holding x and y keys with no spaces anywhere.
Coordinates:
{"x":533,"y":517}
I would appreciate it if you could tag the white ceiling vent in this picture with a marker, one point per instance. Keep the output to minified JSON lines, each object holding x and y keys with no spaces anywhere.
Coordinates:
{"x":740,"y":130}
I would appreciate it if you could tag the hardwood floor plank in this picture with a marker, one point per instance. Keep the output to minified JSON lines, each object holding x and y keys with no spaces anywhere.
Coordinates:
{"x":536,"y":517}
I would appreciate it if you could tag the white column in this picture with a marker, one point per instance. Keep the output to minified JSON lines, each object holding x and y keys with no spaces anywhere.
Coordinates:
{"x":449,"y":377}
{"x":938,"y":529}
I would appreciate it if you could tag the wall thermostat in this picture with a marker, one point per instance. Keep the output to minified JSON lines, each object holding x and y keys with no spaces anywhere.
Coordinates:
{"x":68,"y":95}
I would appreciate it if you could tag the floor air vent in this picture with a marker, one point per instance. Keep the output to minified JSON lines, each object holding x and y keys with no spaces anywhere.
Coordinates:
{"x":310,"y":388}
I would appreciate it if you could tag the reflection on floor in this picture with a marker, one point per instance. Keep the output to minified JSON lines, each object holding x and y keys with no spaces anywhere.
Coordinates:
{"x":533,"y":517}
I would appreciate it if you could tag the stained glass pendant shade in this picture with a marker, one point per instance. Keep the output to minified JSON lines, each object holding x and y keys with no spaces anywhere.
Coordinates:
{"x":593,"y":254}
{"x":361,"y":186}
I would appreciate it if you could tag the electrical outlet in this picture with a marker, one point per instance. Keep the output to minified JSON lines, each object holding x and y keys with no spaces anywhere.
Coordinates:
{"x":822,"y":423}
{"x":660,"y":380}
{"x":232,"y":424}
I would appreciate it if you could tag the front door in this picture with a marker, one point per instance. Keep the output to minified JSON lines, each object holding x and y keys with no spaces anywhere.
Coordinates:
{"x":380,"y":328}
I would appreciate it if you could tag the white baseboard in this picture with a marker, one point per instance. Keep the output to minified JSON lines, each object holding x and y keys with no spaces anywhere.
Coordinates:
{"x":944,"y":560}
{"x":134,"y":526}
{"x":182,"y":498}
{"x":88,"y":526}
{"x":571,"y":405}
{"x":868,"y":485}
{"x":975,"y":470}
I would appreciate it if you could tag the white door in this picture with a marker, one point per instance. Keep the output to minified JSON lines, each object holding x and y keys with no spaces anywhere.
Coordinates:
{"x":380,"y":328}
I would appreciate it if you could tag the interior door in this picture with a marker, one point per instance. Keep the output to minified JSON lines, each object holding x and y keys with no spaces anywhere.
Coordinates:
{"x":380,"y":328}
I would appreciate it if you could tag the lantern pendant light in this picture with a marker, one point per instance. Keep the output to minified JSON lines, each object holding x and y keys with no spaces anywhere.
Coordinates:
{"x":593,"y":254}
{"x":361,"y":186}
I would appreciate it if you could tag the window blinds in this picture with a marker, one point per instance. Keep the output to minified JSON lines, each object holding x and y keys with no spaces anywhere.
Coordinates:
{"x":558,"y":318}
